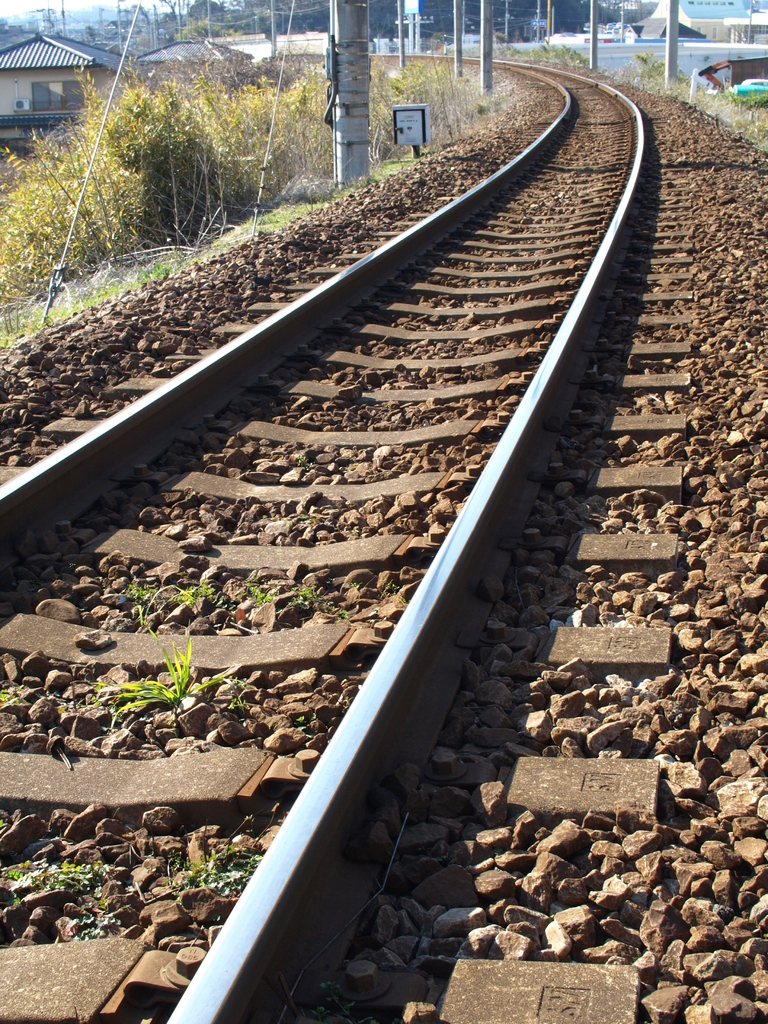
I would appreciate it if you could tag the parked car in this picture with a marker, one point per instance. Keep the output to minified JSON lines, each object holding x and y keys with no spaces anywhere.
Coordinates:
{"x":751,"y":87}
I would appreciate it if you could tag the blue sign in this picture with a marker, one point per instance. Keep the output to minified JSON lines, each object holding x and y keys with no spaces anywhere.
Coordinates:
{"x":413,"y":7}
{"x":540,"y":24}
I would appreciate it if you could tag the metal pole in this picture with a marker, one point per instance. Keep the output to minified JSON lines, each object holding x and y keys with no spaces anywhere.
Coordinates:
{"x":621,"y":37}
{"x":593,"y":19}
{"x":178,"y":17}
{"x":749,"y":37}
{"x":549,"y":20}
{"x":538,"y":21}
{"x":119,"y":27}
{"x":673,"y":11}
{"x":411,"y":34}
{"x":417,"y":20}
{"x":273,"y":35}
{"x":209,"y":19}
{"x":506,"y":21}
{"x":401,"y":32}
{"x":458,"y":37}
{"x":350,"y":112}
{"x":486,"y":45}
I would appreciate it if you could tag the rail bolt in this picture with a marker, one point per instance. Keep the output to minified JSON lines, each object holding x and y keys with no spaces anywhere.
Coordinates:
{"x":188,"y":960}
{"x":361,"y":976}
{"x":444,"y":763}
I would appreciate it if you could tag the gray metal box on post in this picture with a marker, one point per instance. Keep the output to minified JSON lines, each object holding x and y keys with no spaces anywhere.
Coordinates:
{"x":350,"y":111}
{"x":410,"y":124}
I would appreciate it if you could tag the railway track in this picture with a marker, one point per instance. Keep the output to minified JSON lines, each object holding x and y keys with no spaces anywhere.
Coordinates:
{"x":464,"y":403}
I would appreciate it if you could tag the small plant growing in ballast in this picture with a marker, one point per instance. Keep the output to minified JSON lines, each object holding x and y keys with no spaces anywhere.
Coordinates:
{"x":136,"y":696}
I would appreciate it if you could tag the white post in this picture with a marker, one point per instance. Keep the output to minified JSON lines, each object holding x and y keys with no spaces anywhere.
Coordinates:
{"x":350,"y":114}
{"x":593,"y":24}
{"x":273,"y":33}
{"x":694,"y":84}
{"x":411,"y":34}
{"x":458,"y":37}
{"x":401,"y":32}
{"x":486,"y":45}
{"x":673,"y":17}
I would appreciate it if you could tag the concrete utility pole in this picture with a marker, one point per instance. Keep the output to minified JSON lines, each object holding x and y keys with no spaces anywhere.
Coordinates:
{"x":458,"y":37}
{"x":749,"y":37}
{"x":350,"y":112}
{"x":401,"y":32}
{"x":486,"y":45}
{"x":593,"y":20}
{"x":119,"y":27}
{"x":621,"y":37}
{"x":209,"y":19}
{"x":64,"y":21}
{"x":673,"y":12}
{"x":411,"y":34}
{"x":417,"y":20}
{"x":538,"y":21}
{"x":273,"y":34}
{"x":506,"y":21}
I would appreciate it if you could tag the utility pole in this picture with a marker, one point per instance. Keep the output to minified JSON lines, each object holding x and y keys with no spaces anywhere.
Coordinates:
{"x":749,"y":37}
{"x":273,"y":35}
{"x":621,"y":37}
{"x":593,"y":19}
{"x":673,"y":12}
{"x":549,"y":20}
{"x":101,"y":26}
{"x":458,"y":37}
{"x":506,"y":21}
{"x":178,"y":17}
{"x":538,"y":21}
{"x":64,"y":20}
{"x":119,"y":27}
{"x":486,"y":45}
{"x":417,"y":20}
{"x":401,"y":31}
{"x":350,"y":111}
{"x":209,"y":19}
{"x":411,"y":34}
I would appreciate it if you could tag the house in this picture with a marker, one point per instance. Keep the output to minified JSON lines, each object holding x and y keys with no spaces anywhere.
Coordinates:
{"x":39,"y":86}
{"x":705,"y":16}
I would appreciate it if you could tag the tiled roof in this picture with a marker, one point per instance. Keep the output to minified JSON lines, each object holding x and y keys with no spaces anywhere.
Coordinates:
{"x":186,"y":50}
{"x":54,"y":52}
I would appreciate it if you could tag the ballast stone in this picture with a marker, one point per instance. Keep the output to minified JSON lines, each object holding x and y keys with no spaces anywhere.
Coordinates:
{"x":499,"y":992}
{"x":557,"y":788}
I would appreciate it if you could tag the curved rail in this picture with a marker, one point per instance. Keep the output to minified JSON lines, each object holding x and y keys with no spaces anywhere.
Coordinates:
{"x":84,"y":468}
{"x":227,"y":979}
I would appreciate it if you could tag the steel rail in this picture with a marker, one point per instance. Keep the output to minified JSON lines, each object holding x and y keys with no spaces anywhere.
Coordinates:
{"x":80,"y":471}
{"x":227,"y":979}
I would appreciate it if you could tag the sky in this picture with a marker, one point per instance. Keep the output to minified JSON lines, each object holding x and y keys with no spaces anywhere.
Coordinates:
{"x":12,"y":9}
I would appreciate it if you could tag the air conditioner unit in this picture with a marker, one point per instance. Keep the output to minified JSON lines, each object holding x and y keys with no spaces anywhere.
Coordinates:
{"x":21,"y":104}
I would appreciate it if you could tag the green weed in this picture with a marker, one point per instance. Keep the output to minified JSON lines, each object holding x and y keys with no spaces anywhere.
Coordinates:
{"x":136,"y":696}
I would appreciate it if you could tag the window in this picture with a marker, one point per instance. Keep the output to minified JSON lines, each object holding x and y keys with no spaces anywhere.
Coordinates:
{"x":57,"y":95}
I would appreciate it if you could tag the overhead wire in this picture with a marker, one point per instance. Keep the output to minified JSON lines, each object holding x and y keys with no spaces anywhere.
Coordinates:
{"x":57,"y":277}
{"x":272,"y":124}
